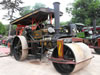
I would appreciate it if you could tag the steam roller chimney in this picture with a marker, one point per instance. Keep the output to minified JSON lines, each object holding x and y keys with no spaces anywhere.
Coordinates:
{"x":57,"y":15}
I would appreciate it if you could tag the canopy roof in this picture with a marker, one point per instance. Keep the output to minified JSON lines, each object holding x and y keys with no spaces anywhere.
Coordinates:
{"x":38,"y":15}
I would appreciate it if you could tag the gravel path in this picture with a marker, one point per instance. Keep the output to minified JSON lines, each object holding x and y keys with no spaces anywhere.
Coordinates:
{"x":9,"y":66}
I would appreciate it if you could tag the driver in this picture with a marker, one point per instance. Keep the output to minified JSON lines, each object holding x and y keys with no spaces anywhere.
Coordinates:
{"x":40,"y":26}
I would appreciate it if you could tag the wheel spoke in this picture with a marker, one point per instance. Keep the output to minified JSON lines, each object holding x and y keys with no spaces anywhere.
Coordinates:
{"x":64,"y":68}
{"x":17,"y":49}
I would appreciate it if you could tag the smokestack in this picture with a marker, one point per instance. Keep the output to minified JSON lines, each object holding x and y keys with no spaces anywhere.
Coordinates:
{"x":57,"y":15}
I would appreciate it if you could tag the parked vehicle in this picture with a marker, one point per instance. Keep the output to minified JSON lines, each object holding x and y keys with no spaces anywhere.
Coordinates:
{"x":93,"y":40}
{"x":89,"y":38}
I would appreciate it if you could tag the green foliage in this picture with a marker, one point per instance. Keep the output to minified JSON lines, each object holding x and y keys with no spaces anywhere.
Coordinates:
{"x":63,"y":23}
{"x":7,"y":29}
{"x":2,"y":29}
{"x":14,"y":27}
{"x":85,"y":11}
{"x":27,"y":9}
{"x":13,"y":30}
{"x":38,"y":5}
{"x":87,"y":21}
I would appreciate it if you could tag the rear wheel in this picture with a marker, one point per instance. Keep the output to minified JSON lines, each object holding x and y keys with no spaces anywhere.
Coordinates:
{"x":64,"y":68}
{"x":19,"y":52}
{"x":97,"y":50}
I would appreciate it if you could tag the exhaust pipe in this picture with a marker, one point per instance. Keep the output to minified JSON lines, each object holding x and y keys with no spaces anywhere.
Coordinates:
{"x":56,"y":15}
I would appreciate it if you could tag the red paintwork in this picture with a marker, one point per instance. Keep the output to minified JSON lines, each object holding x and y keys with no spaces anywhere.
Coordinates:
{"x":77,"y":40}
{"x":98,"y":42}
{"x":61,"y":60}
{"x":19,"y":29}
{"x":91,"y":28}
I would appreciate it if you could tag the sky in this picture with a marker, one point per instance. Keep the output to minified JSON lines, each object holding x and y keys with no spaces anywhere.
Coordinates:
{"x":48,"y":3}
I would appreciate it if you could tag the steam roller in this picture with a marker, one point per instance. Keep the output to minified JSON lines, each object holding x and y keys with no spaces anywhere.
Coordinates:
{"x":74,"y":57}
{"x":67,"y":56}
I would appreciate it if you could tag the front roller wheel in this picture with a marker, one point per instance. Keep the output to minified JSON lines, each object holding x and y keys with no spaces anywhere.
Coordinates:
{"x":20,"y":48}
{"x":64,"y":68}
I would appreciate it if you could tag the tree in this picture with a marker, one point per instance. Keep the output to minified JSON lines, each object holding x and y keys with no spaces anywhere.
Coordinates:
{"x":38,"y":5}
{"x":85,"y":11}
{"x":12,"y":6}
{"x":28,"y":9}
{"x":25,"y":10}
{"x":63,"y":23}
{"x":2,"y":29}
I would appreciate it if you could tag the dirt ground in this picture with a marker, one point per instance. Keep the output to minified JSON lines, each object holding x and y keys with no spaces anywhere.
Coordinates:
{"x":9,"y":66}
